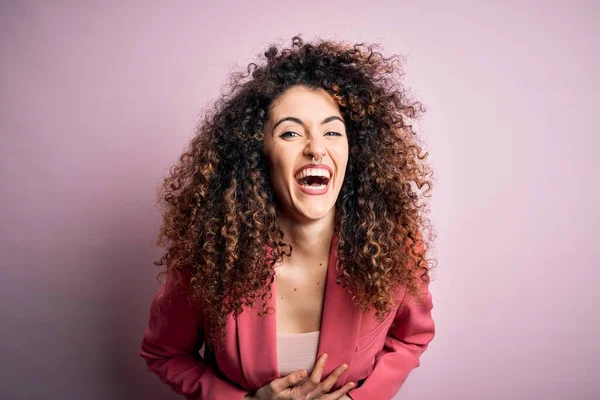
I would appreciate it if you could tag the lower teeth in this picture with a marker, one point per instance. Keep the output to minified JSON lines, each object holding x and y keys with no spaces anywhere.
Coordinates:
{"x":314,"y":187}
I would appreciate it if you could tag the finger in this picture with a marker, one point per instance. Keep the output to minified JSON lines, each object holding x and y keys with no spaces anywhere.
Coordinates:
{"x":328,"y":383}
{"x":315,"y":377}
{"x":338,"y":394}
{"x":317,"y":372}
{"x":279,"y":385}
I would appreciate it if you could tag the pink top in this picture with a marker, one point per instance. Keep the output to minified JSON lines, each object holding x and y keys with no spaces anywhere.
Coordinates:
{"x":296,"y":351}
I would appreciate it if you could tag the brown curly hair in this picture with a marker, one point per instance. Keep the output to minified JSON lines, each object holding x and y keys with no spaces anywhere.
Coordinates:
{"x":220,"y":209}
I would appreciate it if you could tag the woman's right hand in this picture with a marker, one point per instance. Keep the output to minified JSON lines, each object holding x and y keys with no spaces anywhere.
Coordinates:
{"x":312,"y":388}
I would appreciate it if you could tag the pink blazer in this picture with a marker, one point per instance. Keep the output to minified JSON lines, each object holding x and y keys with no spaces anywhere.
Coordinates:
{"x":380,"y":356}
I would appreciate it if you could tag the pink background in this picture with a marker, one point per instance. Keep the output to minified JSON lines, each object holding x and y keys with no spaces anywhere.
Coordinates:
{"x":99,"y":99}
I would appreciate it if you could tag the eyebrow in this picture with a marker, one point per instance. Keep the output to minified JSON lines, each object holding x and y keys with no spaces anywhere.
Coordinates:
{"x":299,"y":121}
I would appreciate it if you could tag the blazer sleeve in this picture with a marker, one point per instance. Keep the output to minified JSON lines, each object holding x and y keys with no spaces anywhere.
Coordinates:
{"x":408,"y":337}
{"x":171,"y":344}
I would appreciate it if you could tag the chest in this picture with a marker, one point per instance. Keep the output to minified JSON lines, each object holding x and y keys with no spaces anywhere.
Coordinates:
{"x":299,"y":300}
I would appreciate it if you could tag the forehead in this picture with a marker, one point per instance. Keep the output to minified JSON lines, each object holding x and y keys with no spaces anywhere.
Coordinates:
{"x":302,"y":101}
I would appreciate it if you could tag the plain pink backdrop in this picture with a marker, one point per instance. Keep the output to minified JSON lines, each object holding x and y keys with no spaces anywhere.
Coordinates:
{"x":99,"y":99}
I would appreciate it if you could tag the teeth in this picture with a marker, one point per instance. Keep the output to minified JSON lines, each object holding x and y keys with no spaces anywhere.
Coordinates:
{"x":314,"y":187}
{"x":313,"y":172}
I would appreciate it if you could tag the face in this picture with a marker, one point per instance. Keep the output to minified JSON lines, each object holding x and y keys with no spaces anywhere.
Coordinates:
{"x":304,"y":123}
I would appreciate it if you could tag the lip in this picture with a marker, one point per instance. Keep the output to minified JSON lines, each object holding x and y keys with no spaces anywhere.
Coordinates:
{"x":311,"y":191}
{"x":324,"y":166}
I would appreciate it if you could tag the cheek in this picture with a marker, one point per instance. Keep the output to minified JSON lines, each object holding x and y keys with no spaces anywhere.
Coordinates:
{"x":341,"y":159}
{"x":279,"y":172}
{"x":281,"y":159}
{"x":280,"y":167}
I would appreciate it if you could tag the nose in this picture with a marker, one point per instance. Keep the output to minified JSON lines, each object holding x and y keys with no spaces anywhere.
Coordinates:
{"x":315,"y":147}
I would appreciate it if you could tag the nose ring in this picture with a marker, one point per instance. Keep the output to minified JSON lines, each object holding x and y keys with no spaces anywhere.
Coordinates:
{"x":320,"y":160}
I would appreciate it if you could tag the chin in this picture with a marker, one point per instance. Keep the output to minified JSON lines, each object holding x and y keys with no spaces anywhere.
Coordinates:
{"x":315,"y":213}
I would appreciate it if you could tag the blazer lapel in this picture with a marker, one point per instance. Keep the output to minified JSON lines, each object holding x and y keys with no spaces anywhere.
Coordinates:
{"x":257,"y":340}
{"x":340,"y":322}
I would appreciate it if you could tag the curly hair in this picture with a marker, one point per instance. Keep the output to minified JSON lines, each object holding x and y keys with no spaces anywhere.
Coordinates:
{"x":219,"y":208}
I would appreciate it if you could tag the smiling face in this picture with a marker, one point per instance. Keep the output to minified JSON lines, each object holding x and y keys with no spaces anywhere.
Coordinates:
{"x":305,"y":123}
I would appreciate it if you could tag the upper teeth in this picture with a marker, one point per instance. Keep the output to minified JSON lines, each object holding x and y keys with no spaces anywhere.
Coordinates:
{"x":313,"y":172}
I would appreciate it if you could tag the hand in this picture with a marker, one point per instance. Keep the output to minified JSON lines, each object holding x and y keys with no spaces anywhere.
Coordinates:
{"x":312,"y":388}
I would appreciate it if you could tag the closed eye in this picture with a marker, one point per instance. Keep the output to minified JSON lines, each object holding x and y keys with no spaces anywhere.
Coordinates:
{"x":334,"y":133}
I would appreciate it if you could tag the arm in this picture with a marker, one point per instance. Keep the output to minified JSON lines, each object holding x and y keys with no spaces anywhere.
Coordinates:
{"x":408,"y":337}
{"x":171,"y":342}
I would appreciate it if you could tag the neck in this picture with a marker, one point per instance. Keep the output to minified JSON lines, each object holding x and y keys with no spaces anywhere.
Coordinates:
{"x":311,"y":238}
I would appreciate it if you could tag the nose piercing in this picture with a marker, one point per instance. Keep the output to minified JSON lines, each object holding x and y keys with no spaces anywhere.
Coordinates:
{"x":320,"y":160}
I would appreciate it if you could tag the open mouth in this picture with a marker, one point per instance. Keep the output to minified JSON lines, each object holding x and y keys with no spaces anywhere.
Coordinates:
{"x":313,"y":178}
{"x":313,"y":182}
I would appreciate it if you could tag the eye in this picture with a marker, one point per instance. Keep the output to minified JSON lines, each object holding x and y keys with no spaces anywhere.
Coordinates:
{"x":334,"y":133}
{"x":288,"y":134}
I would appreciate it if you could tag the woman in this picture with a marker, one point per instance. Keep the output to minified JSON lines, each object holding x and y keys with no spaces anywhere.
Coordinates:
{"x":296,"y":252}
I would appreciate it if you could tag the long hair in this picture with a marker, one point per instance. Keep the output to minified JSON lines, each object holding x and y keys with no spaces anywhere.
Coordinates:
{"x":219,"y":208}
